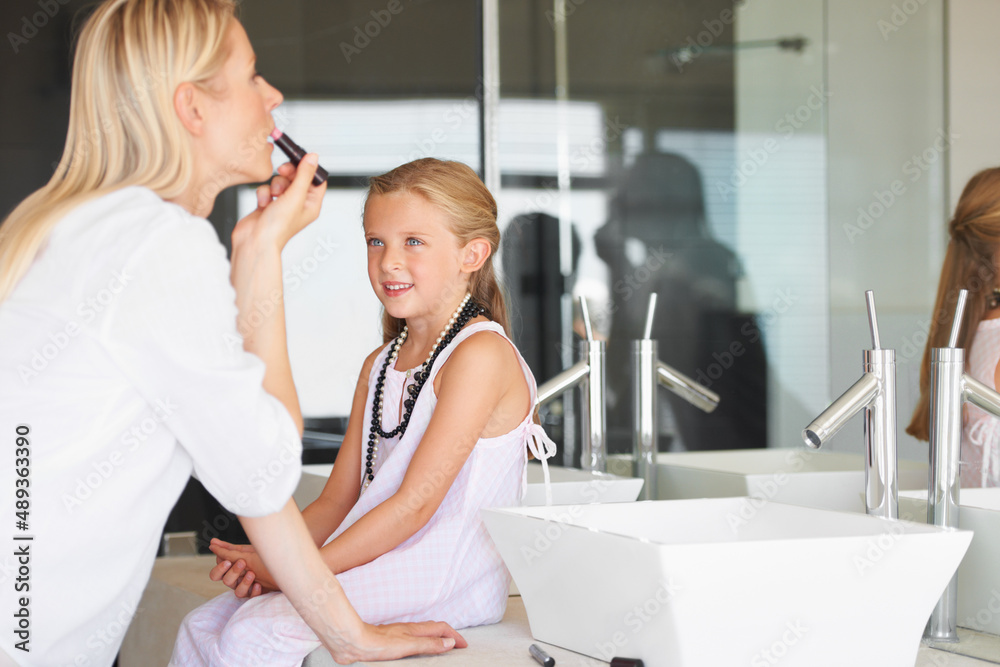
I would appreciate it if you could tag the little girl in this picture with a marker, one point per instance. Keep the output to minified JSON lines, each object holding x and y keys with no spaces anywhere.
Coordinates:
{"x":441,"y":426}
{"x":971,"y":263}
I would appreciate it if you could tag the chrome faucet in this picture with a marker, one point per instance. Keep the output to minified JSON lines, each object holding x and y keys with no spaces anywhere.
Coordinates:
{"x":590,"y":373}
{"x":875,"y":392}
{"x":648,"y":372}
{"x":950,"y":388}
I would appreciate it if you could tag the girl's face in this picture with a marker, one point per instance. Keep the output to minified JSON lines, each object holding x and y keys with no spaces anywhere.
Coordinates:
{"x":238,"y":108}
{"x":415,"y":263}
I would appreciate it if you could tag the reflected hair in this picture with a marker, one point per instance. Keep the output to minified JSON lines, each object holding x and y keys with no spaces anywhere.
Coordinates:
{"x":130,"y":57}
{"x":970,"y":263}
{"x":455,"y":189}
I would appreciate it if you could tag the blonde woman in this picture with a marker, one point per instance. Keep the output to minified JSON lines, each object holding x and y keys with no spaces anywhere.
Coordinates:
{"x":133,"y":352}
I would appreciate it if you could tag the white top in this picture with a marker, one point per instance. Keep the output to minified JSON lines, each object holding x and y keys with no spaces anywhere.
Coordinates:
{"x":119,"y":350}
{"x":449,"y":570}
{"x":981,"y":433}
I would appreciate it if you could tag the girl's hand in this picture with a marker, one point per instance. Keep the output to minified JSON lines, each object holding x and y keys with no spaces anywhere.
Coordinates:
{"x":284,"y":206}
{"x":239,"y":567}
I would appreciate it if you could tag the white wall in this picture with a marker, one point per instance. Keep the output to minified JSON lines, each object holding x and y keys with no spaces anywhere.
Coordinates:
{"x":973,"y":89}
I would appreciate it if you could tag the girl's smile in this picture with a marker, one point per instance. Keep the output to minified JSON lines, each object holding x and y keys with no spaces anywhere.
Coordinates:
{"x":414,"y":260}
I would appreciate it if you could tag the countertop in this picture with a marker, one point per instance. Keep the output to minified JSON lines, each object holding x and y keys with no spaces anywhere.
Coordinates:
{"x":506,"y":643}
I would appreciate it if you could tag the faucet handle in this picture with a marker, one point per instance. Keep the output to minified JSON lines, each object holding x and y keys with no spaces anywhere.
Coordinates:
{"x":648,"y":331}
{"x":872,"y":319}
{"x":956,"y":324}
{"x":586,"y":318}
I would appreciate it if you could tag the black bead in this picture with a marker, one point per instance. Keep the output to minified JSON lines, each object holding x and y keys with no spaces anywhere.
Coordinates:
{"x":408,"y":403}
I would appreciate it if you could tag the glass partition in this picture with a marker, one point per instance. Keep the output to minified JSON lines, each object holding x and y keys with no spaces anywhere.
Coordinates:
{"x":694,"y":151}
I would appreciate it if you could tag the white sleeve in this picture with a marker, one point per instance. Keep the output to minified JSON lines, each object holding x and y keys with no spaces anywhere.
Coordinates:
{"x":172,"y":331}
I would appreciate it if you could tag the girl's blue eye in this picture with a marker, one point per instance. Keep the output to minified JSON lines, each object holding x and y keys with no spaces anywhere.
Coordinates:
{"x":374,"y":242}
{"x":414,"y":242}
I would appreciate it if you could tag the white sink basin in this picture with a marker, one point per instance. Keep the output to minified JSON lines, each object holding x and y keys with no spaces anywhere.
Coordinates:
{"x":569,"y":486}
{"x":799,"y":476}
{"x":719,"y":582}
{"x":979,"y":573}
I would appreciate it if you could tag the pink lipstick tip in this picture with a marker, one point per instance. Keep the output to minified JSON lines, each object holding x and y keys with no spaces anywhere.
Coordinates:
{"x":276,"y":133}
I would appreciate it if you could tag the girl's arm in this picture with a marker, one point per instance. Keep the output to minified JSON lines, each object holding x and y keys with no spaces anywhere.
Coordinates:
{"x":318,"y":597}
{"x":325,"y":514}
{"x":473,"y":384}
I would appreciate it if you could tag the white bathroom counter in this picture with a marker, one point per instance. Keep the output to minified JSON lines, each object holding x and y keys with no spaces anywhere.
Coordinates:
{"x":180,"y":584}
{"x":506,"y":643}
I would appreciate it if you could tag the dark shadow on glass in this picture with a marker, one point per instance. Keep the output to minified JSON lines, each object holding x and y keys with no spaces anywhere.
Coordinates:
{"x":658,"y":240}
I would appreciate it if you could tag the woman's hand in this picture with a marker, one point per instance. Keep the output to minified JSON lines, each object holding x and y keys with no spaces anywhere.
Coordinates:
{"x":239,"y":567}
{"x":284,"y":206}
{"x":399,"y":640}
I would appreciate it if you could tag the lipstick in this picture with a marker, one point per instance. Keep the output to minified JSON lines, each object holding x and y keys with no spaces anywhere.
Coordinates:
{"x":295,"y":153}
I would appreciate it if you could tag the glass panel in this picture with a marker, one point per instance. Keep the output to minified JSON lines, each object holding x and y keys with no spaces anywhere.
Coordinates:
{"x":681,"y":178}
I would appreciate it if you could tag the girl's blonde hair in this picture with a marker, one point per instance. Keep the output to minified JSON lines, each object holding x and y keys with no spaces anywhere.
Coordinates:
{"x":455,"y":189}
{"x":130,"y":57}
{"x":970,"y":263}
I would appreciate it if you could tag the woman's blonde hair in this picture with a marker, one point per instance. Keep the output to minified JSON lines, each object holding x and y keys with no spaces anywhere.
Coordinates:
{"x":130,"y":57}
{"x":455,"y":189}
{"x":970,"y":263}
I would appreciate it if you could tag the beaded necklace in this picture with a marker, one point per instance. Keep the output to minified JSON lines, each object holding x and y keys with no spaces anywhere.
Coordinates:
{"x":466,"y":311}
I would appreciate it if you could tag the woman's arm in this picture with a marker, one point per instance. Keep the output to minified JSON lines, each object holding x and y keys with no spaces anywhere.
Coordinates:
{"x":473,"y":384}
{"x":284,"y":207}
{"x":285,"y":546}
{"x":325,"y":514}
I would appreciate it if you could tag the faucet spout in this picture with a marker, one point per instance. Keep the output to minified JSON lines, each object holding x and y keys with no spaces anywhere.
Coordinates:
{"x":690,"y":390}
{"x":851,"y":402}
{"x":875,"y":391}
{"x":981,"y":396}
